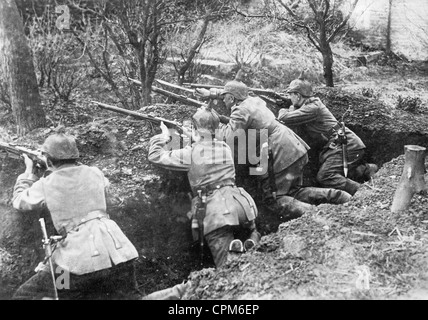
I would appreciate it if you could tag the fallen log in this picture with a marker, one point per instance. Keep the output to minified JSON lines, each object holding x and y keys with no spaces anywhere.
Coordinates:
{"x":412,"y":180}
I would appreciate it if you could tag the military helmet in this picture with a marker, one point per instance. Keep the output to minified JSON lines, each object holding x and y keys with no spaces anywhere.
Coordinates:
{"x":204,"y":119}
{"x":300,"y":85}
{"x":60,"y":146}
{"x":236,"y":88}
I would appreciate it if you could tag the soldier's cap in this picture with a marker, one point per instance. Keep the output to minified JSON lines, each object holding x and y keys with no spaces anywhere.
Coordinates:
{"x":300,"y":85}
{"x":236,"y":88}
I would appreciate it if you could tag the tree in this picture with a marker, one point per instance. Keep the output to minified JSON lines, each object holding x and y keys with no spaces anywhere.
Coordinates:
{"x":133,"y":34}
{"x":18,"y":64}
{"x":322,"y":22}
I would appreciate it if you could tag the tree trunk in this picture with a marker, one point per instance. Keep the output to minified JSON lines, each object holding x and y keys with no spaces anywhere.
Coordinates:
{"x":388,"y":29}
{"x":24,"y":91}
{"x":327,"y":56}
{"x":193,"y":51}
{"x":412,"y":179}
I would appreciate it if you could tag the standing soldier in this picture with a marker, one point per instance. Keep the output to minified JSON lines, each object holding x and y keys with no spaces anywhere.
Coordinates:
{"x":93,"y":252}
{"x":342,"y":153}
{"x":281,"y":183}
{"x":220,"y":210}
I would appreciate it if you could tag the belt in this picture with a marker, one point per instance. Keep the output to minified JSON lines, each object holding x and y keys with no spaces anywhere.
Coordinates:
{"x":215,"y":186}
{"x":98,"y":214}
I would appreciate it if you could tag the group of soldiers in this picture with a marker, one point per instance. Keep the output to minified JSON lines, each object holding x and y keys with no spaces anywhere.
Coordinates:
{"x":94,"y":250}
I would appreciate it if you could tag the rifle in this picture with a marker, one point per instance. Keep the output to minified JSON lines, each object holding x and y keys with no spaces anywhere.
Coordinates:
{"x":175,"y":96}
{"x":48,"y":254}
{"x":200,"y":216}
{"x":16,"y":152}
{"x":267,"y":95}
{"x":141,"y":116}
{"x":343,"y":141}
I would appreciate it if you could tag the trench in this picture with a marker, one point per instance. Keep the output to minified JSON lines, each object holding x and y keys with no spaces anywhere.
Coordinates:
{"x":154,"y":219}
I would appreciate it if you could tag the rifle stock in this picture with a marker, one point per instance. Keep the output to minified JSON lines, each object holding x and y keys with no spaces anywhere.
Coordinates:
{"x":141,"y":116}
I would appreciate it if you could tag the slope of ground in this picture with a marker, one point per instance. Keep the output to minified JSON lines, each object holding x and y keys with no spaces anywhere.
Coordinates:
{"x":358,"y":250}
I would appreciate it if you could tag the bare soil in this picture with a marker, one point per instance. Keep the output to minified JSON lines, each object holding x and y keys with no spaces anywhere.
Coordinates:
{"x":359,"y":250}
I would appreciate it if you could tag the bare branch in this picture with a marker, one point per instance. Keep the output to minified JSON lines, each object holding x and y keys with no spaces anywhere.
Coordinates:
{"x":344,"y":22}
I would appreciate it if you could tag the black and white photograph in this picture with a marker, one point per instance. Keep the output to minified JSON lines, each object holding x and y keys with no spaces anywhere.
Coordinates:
{"x":213,"y":154}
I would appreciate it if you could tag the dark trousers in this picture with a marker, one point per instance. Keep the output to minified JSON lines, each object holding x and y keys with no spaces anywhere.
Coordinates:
{"x":331,"y":174}
{"x":115,"y":283}
{"x":292,"y":200}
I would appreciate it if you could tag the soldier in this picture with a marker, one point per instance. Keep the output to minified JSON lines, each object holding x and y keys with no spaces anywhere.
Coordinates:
{"x":228,"y":212}
{"x":281,"y":183}
{"x":312,"y":116}
{"x":93,"y":252}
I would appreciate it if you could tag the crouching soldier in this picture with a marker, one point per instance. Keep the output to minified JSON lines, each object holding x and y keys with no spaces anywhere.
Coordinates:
{"x":228,"y":211}
{"x":94,"y":251}
{"x":342,"y":150}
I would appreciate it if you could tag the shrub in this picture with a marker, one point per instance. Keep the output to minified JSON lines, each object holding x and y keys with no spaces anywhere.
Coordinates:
{"x":409,"y":104}
{"x":59,"y":65}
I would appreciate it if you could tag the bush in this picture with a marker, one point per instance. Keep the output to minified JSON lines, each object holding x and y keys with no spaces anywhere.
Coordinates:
{"x":409,"y":104}
{"x":370,"y":93}
{"x":59,"y":65}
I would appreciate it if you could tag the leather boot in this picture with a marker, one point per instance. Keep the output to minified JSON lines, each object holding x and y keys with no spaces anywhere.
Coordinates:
{"x":351,"y":187}
{"x":174,"y":293}
{"x":339,"y":196}
{"x":292,"y":208}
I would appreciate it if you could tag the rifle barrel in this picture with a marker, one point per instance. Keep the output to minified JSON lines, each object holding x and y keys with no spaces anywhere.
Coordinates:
{"x":254,"y":90}
{"x":182,"y":98}
{"x":140,"y":116}
{"x":174,"y":86}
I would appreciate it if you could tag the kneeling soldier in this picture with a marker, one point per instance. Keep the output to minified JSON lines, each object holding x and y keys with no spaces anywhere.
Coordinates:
{"x":227,"y":210}
{"x":94,"y":251}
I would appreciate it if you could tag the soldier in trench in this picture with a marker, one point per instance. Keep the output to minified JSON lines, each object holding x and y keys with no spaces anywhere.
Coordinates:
{"x":93,"y":251}
{"x":281,"y":183}
{"x":342,"y":164}
{"x":228,"y":222}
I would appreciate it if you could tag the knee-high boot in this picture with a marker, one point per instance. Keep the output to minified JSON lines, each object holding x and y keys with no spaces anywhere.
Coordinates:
{"x":292,"y":208}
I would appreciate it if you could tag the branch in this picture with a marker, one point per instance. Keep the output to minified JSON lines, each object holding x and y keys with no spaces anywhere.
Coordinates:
{"x":327,"y":9}
{"x":311,"y":34}
{"x":344,"y":22}
{"x":72,"y":4}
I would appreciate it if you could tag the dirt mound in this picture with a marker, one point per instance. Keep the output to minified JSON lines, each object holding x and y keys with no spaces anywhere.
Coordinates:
{"x":359,"y":250}
{"x":319,"y":255}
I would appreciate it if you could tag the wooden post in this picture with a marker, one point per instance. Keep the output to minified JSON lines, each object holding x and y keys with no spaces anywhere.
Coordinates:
{"x":412,"y":179}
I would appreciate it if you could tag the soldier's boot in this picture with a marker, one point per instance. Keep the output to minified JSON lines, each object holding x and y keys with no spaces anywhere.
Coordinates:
{"x":236,"y":246}
{"x":317,"y":196}
{"x":338,"y":196}
{"x":174,"y":293}
{"x":292,"y":208}
{"x":252,"y":241}
{"x":366,"y":171}
{"x":351,"y":186}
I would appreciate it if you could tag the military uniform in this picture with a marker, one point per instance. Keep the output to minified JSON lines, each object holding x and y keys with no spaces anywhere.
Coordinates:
{"x":210,"y":169}
{"x":94,"y":247}
{"x":288,"y":155}
{"x":321,"y":126}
